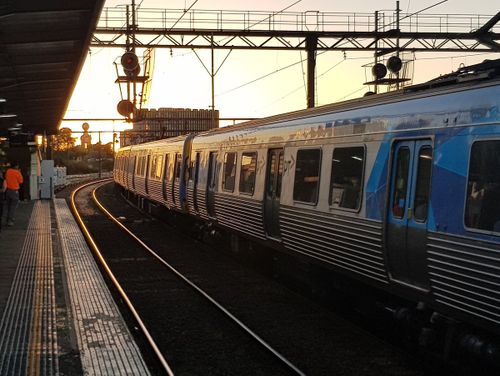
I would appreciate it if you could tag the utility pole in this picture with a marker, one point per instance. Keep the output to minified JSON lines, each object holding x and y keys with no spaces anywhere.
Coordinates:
{"x":212,"y":75}
{"x":311,"y":47}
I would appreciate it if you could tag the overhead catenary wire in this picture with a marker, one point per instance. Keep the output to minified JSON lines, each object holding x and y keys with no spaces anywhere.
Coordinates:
{"x":273,"y":14}
{"x":248,"y":27}
{"x":260,"y":78}
{"x":351,"y":93}
{"x":407,"y":16}
{"x":301,"y":86}
{"x":183,"y":14}
{"x":298,"y":62}
{"x":303,"y":73}
{"x":265,"y":75}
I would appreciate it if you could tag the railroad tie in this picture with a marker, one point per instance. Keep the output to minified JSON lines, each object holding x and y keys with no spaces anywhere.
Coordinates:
{"x":28,"y":337}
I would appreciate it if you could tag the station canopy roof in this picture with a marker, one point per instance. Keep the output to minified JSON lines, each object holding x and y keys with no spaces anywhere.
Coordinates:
{"x":43,"y":45}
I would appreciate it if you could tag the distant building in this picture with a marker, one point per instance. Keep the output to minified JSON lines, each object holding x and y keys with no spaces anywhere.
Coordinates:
{"x":156,"y":124}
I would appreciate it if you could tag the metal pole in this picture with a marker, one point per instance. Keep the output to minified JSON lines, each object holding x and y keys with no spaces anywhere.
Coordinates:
{"x":376,"y":47}
{"x":397,"y":40}
{"x":212,"y":75}
{"x":311,"y":44}
{"x":134,"y":83}
{"x":128,"y":46}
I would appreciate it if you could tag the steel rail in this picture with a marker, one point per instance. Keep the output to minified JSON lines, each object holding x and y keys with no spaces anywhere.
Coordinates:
{"x":113,"y":279}
{"x":255,"y":336}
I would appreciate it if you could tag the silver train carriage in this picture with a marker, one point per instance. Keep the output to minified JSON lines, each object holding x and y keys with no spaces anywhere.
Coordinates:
{"x":399,"y":190}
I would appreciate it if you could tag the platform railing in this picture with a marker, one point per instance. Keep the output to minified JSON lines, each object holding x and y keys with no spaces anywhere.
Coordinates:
{"x":166,"y":19}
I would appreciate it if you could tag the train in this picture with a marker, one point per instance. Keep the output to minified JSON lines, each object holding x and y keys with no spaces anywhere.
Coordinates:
{"x":399,"y":191}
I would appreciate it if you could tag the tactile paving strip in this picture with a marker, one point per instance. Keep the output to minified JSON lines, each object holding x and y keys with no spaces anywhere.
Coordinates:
{"x":28,"y":340}
{"x":106,"y":345}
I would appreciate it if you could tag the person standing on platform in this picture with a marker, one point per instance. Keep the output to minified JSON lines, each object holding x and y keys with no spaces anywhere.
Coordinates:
{"x":14,"y":179}
{"x":3,"y":187}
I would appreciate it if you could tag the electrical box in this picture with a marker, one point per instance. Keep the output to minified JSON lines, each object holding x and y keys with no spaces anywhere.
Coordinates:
{"x":46,"y":180}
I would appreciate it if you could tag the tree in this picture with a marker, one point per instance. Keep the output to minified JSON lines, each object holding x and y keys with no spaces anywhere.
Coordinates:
{"x":63,"y":141}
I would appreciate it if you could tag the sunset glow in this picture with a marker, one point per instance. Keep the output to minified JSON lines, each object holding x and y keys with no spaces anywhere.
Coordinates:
{"x":252,"y":83}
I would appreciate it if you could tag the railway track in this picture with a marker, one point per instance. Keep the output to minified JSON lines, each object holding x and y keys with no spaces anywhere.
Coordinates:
{"x":205,"y":314}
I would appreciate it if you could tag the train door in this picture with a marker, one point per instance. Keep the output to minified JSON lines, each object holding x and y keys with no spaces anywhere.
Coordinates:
{"x":407,"y":216}
{"x":176,"y":180}
{"x":147,"y":173}
{"x":211,"y":183}
{"x":274,"y":173}
{"x":195,"y":185}
{"x":132,"y":170}
{"x":166,"y":177}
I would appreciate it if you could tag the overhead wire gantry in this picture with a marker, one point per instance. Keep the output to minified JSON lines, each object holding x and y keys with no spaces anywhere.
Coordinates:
{"x":382,"y":33}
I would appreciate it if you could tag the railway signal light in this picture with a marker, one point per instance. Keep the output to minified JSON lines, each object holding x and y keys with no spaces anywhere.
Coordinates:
{"x":125,"y":108}
{"x":379,"y":71}
{"x":130,"y":64}
{"x":394,"y":64}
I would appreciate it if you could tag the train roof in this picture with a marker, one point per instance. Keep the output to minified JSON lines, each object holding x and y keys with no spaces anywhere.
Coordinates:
{"x":485,"y":74}
{"x":171,"y":141}
{"x":466,"y":78}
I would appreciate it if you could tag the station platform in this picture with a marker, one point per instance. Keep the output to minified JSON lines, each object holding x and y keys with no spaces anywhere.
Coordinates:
{"x":57,"y":315}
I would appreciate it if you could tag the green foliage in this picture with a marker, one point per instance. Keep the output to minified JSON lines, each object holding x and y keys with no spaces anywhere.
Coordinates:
{"x":63,"y":140}
{"x":80,"y":160}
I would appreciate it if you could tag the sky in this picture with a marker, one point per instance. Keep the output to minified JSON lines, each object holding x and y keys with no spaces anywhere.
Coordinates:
{"x":251,"y":84}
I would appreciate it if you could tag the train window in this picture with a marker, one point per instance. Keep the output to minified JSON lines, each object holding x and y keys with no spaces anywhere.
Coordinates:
{"x":229,"y":171}
{"x":166,"y":169}
{"x":307,"y":168}
{"x":247,"y":173}
{"x":143,"y":165}
{"x":132,"y":164}
{"x":347,"y":177}
{"x":166,"y":176}
{"x":279,"y":177}
{"x":159,"y":165}
{"x":213,"y":172}
{"x":421,"y":200}
{"x":137,"y":165}
{"x":140,"y":167}
{"x":401,"y":182}
{"x":156,"y":165}
{"x":482,"y":209}
{"x":197,"y":167}
{"x":152,"y":169}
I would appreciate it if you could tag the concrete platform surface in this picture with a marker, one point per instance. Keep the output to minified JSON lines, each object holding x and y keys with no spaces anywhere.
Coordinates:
{"x":57,"y":315}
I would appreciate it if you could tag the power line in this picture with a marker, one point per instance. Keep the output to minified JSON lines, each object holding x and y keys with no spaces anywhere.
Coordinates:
{"x":267,"y":75}
{"x":300,"y":87}
{"x":273,"y":14}
{"x":348,"y":95}
{"x":261,"y":77}
{"x":247,"y":28}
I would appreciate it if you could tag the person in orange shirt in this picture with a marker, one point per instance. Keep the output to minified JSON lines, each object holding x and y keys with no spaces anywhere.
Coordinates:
{"x":13,"y":180}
